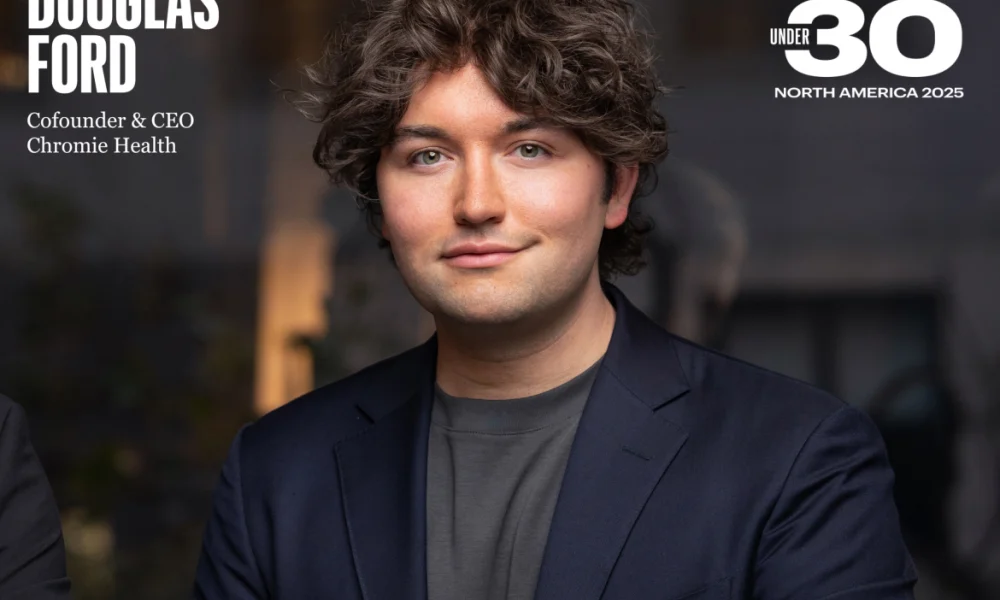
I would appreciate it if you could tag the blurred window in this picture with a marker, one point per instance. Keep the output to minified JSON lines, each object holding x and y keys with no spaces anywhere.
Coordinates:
{"x":849,"y":345}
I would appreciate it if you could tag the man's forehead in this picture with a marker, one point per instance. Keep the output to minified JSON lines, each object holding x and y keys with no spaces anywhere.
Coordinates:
{"x":464,"y":98}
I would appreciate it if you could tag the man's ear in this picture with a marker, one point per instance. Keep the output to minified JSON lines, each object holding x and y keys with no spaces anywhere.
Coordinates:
{"x":626,"y":178}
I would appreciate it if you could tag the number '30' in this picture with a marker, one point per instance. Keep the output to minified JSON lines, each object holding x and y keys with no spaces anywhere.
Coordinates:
{"x":882,"y":35}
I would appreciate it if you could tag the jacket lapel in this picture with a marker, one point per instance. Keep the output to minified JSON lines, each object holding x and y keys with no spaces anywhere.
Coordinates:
{"x":383,"y":485}
{"x":622,"y":448}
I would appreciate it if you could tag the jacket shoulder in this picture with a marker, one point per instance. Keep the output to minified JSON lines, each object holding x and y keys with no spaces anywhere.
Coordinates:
{"x":754,"y":393}
{"x":329,"y":413}
{"x":736,"y":410}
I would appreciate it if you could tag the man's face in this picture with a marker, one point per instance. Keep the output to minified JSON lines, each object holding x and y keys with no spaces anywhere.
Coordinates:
{"x":491,"y":217}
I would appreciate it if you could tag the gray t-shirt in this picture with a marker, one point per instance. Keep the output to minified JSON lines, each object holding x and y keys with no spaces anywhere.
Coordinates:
{"x":494,"y":469}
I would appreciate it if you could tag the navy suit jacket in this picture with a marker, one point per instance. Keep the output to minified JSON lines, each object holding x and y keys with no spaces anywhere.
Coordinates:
{"x":692,"y":476}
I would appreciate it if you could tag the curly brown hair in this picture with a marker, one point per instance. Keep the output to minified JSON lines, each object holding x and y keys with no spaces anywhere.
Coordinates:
{"x":580,"y":63}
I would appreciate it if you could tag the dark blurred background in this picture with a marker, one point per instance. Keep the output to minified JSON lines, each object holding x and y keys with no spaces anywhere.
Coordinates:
{"x":150,"y":305}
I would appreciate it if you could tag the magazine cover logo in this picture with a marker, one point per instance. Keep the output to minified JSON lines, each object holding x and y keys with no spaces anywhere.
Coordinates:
{"x":803,"y":34}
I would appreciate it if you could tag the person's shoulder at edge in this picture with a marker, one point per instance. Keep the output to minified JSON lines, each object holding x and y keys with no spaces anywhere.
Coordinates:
{"x":32,"y":553}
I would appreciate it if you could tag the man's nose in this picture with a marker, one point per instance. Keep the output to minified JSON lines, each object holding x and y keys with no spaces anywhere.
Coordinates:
{"x":480,"y":197}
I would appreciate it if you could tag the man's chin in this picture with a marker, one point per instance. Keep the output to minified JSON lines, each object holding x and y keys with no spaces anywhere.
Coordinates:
{"x":484,"y":310}
{"x":483,"y":314}
{"x":482,"y":302}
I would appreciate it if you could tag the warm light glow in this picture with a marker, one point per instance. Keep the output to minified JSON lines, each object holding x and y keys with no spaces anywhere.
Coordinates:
{"x":13,"y":70}
{"x":296,"y":277}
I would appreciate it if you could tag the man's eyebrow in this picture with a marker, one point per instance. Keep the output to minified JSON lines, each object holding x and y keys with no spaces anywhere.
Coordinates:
{"x":529,"y":123}
{"x":436,"y":133}
{"x":418,"y":131}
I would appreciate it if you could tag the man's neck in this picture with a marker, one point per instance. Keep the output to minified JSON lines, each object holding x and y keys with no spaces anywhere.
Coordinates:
{"x":515,"y":361}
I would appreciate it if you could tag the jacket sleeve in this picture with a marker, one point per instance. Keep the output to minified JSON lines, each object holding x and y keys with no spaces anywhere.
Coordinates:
{"x":32,"y":554}
{"x":834,"y":532}
{"x":227,"y":568}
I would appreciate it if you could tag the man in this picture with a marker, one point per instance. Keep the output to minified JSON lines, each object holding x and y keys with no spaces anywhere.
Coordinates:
{"x":549,"y":441}
{"x":32,"y":556}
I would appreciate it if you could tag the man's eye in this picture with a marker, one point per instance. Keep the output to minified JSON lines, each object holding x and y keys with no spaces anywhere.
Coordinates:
{"x":427,"y":157}
{"x":531,"y":150}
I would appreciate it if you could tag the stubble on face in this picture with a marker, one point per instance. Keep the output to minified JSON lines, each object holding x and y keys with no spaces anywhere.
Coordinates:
{"x":479,"y":188}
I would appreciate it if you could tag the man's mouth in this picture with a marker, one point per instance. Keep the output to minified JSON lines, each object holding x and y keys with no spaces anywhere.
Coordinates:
{"x":473,"y":256}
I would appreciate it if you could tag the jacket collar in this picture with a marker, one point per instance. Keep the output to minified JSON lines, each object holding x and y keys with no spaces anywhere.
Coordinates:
{"x":623,"y":445}
{"x":642,"y":356}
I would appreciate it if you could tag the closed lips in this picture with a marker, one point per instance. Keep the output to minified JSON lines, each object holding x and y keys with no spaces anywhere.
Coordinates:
{"x":479,"y":249}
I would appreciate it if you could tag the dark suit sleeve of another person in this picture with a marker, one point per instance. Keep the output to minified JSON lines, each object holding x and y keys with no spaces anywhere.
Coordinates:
{"x":834,"y":532}
{"x":227,"y":569}
{"x":32,"y":555}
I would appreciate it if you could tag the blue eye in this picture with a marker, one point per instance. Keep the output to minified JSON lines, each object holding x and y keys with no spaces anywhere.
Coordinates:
{"x":433,"y":157}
